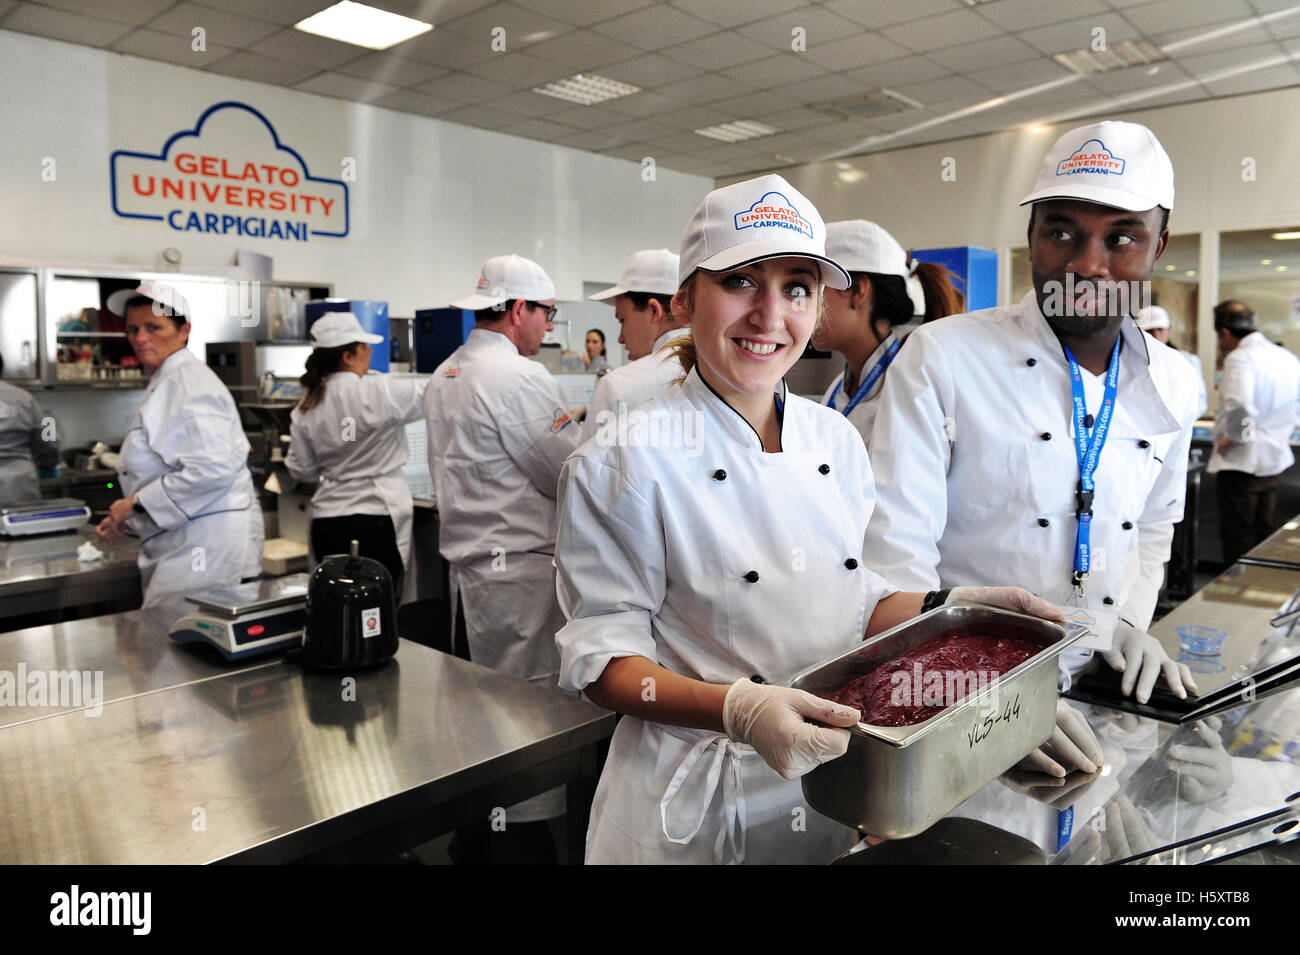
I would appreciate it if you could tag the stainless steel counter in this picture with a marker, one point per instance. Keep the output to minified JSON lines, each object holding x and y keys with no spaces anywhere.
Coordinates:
{"x":41,"y":574}
{"x":269,"y":763}
{"x":1279,"y":549}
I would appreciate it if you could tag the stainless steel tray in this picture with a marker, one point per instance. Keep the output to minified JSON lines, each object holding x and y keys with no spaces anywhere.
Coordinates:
{"x":897,"y":781}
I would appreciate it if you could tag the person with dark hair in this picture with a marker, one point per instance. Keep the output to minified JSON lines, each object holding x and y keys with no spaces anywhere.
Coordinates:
{"x":348,"y":433}
{"x":888,"y":290}
{"x":27,"y":437}
{"x":1258,"y":410}
{"x":1046,"y":441}
{"x":594,"y":357}
{"x":183,"y":467}
{"x":642,"y":301}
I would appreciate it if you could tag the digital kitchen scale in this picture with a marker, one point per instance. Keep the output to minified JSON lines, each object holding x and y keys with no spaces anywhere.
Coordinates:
{"x":43,"y":517}
{"x":248,"y":620}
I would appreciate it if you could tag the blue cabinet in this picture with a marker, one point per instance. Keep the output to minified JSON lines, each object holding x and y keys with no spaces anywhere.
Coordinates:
{"x":977,"y":270}
{"x":438,"y":333}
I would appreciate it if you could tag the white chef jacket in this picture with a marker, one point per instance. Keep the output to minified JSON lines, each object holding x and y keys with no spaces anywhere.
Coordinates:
{"x":976,"y":467}
{"x":655,"y":552}
{"x":1258,"y":408}
{"x":1202,"y":398}
{"x":633,"y":385}
{"x":186,"y":458}
{"x":863,"y":416}
{"x":354,"y":443}
{"x":21,"y":443}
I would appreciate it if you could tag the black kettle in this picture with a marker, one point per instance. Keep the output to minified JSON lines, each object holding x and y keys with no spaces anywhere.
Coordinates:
{"x":351,"y":621}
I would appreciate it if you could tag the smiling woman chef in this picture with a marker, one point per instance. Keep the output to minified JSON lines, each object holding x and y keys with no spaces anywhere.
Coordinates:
{"x":690,"y":570}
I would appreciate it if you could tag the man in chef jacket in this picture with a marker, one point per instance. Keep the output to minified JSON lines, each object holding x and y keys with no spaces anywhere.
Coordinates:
{"x":1252,"y":432}
{"x":642,"y":302}
{"x":499,"y":431}
{"x":977,"y":468}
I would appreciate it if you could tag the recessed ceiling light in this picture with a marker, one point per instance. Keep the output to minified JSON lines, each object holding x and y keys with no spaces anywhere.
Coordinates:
{"x":1281,"y":268}
{"x":1190,"y":272}
{"x":1116,"y":56}
{"x":1286,"y":235}
{"x":1265,"y":261}
{"x":361,"y":25}
{"x":736,"y":132}
{"x":587,"y":89}
{"x":1171,"y":268}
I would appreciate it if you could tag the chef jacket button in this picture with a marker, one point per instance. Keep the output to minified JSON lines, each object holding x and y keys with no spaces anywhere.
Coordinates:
{"x":1043,"y":522}
{"x":1032,"y":362}
{"x":1144,"y":443}
{"x":851,"y":564}
{"x":1046,"y":436}
{"x":824,"y":469}
{"x":1107,"y":601}
{"x":756,"y":679}
{"x":719,"y":475}
{"x":752,"y":576}
{"x":1127,"y":525}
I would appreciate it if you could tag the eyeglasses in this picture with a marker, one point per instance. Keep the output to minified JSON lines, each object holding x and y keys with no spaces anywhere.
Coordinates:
{"x":551,"y":310}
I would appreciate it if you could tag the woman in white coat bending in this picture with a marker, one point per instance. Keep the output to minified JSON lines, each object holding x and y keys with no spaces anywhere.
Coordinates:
{"x":184,"y":462}
{"x":715,"y":546}
{"x":348,"y":432}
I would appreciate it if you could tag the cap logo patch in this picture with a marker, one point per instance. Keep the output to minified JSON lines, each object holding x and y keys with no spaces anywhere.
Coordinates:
{"x":773,"y":211}
{"x":482,"y":283}
{"x":451,"y":372}
{"x":1091,"y":157}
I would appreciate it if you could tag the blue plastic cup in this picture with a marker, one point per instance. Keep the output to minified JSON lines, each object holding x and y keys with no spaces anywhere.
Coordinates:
{"x":1201,"y":641}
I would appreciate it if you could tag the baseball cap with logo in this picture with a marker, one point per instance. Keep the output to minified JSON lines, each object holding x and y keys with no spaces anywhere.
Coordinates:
{"x":862,"y":246}
{"x":506,"y":277}
{"x":1152,"y":318}
{"x":650,"y":270}
{"x":747,"y":222}
{"x":1115,"y":164}
{"x":157,"y":292}
{"x":336,"y":329}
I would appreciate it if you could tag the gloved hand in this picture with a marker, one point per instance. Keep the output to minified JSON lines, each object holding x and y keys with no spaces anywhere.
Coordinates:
{"x":774,"y":720}
{"x":1072,"y":745}
{"x":1141,"y":658}
{"x":1117,"y":834}
{"x":1204,"y":767}
{"x":1008,"y":598}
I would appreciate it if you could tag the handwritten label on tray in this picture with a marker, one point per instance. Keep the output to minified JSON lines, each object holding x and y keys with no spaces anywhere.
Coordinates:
{"x":982,"y":727}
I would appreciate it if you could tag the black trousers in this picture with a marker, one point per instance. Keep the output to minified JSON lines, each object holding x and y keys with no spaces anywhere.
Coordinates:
{"x":1247,"y":511}
{"x":375,"y":536}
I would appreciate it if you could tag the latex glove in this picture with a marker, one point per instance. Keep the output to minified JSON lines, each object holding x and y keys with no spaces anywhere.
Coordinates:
{"x":1204,"y":766}
{"x":1117,"y":834}
{"x":1141,"y":658}
{"x":1008,"y":598}
{"x":1050,"y":790}
{"x":1072,"y":745}
{"x":774,"y":720}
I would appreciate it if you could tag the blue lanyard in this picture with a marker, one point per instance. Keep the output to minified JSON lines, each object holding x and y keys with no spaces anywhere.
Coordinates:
{"x":870,"y":379}
{"x":1088,"y":442}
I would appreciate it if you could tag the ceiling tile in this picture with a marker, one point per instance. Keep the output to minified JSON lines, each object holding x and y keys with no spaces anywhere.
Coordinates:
{"x":652,"y":28}
{"x":221,"y":28}
{"x":643,"y":104}
{"x":448,"y":50}
{"x":436,"y":12}
{"x":823,"y":88}
{"x":799,"y":118}
{"x":1204,"y":63}
{"x":250,"y":66}
{"x":730,"y":13}
{"x":588,"y":117}
{"x":390,"y":68}
{"x":520,"y":23}
{"x":298,"y":47}
{"x":520,"y":70}
{"x":1144,"y":76}
{"x":649,"y":70}
{"x":912,"y":69}
{"x":1078,"y":34}
{"x":777,"y":70}
{"x":875,"y":14}
{"x":537,"y":129}
{"x":1022,"y":75}
{"x":797,"y":145}
{"x":863,"y":49}
{"x":947,"y":29}
{"x":819,"y":25}
{"x":750,"y":105}
{"x":464,"y":87}
{"x":632,"y":151}
{"x":704,"y":88}
{"x":1265,"y":79}
{"x":284,"y":12}
{"x":1168,"y":15}
{"x":480,"y":116}
{"x":1027,"y":14}
{"x":682,"y":142}
{"x":62,"y":25}
{"x":123,"y":11}
{"x":982,"y":53}
{"x":1209,"y":39}
{"x":172,"y":49}
{"x":581,"y":51}
{"x":412,"y":102}
{"x":646,"y":130}
{"x":694,"y":117}
{"x":937,"y":91}
{"x":583,"y":12}
{"x":718,"y":51}
{"x":529,"y":104}
{"x":592,"y":140}
{"x":346,"y":87}
{"x":1284,"y":28}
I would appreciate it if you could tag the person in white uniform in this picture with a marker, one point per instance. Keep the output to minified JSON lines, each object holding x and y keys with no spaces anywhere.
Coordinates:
{"x":991,"y":422}
{"x":184,"y":462}
{"x":642,"y":302}
{"x":1155,"y":321}
{"x":349,"y":433}
{"x":27,"y":442}
{"x":689,"y":580}
{"x":499,"y":430}
{"x":1258,"y":410}
{"x":888,"y":290}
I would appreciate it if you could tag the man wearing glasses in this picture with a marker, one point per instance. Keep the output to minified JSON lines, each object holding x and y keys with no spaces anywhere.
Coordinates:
{"x":499,"y":430}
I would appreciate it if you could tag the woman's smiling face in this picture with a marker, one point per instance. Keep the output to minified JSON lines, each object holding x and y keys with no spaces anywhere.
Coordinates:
{"x":750,"y":324}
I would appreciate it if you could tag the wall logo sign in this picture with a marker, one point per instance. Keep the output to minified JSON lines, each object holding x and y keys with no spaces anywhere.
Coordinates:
{"x":773,"y":210}
{"x":1093,"y":157}
{"x":229,"y":175}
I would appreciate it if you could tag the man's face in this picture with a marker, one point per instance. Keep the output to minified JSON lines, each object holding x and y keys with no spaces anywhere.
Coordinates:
{"x":534,"y":326}
{"x":1160,"y":334}
{"x":1091,"y":262}
{"x":636,"y":330}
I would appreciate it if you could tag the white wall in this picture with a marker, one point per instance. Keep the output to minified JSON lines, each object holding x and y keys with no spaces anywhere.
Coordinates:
{"x":430,"y":202}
